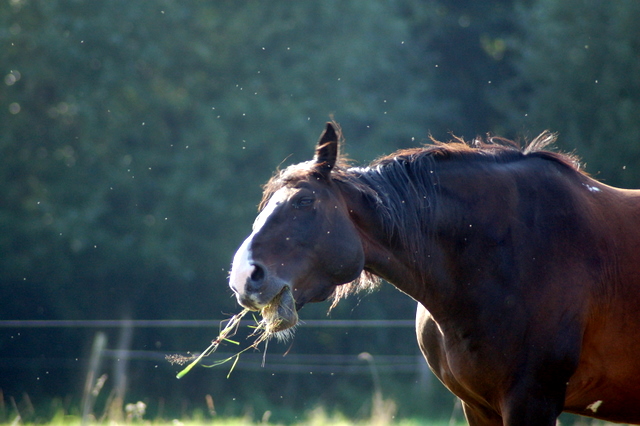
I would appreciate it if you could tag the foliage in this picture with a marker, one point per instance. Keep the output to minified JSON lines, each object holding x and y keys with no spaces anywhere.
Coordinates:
{"x":578,"y":73}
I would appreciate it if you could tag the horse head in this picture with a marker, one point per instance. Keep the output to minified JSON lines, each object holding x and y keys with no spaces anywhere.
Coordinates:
{"x":304,"y":242}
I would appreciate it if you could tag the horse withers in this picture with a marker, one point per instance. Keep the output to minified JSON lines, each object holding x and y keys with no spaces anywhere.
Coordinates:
{"x":526,"y":271}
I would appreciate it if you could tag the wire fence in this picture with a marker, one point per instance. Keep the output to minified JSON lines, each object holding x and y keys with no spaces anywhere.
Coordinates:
{"x":318,"y":363}
{"x":192,"y":323}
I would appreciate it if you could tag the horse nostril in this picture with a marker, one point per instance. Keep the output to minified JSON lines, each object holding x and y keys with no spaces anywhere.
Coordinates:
{"x":258,"y":273}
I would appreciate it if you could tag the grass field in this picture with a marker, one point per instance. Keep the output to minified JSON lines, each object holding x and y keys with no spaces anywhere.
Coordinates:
{"x":76,"y":421}
{"x":129,"y":416}
{"x":382,"y":414}
{"x":317,"y":419}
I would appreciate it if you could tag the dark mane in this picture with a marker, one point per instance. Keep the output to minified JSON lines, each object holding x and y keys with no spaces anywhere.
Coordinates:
{"x":403,"y":185}
{"x":493,"y":149}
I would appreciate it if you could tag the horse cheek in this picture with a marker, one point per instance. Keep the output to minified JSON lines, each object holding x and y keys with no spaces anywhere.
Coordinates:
{"x":344,"y":257}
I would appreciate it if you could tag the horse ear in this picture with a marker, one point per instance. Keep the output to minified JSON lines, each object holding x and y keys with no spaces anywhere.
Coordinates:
{"x":327,"y":149}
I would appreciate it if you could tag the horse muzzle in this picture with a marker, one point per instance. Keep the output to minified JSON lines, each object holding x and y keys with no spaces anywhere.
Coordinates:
{"x":257,"y":290}
{"x":253,"y":286}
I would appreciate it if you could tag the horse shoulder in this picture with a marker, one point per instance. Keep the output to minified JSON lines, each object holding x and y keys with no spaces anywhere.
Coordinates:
{"x":432,"y":344}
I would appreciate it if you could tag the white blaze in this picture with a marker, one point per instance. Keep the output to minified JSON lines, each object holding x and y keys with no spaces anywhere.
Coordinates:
{"x":242,"y":266}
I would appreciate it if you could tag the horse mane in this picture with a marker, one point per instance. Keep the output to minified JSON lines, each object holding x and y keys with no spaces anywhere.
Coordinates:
{"x":404,"y":185}
{"x":493,"y":148}
{"x":401,"y":185}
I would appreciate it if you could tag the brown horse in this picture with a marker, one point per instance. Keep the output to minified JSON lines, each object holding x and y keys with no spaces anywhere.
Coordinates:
{"x":526,"y":271}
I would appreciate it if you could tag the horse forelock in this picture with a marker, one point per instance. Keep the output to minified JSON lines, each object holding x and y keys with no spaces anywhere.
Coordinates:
{"x":304,"y":171}
{"x":281,"y":178}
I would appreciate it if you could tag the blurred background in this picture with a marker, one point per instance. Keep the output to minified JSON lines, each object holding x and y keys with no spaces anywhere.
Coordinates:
{"x":135,"y":137}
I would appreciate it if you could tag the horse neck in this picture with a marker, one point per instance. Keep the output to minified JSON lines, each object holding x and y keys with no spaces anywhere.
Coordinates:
{"x":390,"y":250}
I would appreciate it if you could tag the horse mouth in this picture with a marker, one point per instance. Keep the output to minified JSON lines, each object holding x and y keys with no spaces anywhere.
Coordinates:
{"x":281,"y":313}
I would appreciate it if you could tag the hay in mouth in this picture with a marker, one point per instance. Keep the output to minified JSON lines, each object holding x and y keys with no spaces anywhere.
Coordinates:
{"x":279,"y":318}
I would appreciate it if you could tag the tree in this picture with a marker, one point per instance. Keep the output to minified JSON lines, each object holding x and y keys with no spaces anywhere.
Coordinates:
{"x":578,"y":74}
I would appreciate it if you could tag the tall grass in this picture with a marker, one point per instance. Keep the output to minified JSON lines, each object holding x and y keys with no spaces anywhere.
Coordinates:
{"x":21,"y":412}
{"x":316,"y":417}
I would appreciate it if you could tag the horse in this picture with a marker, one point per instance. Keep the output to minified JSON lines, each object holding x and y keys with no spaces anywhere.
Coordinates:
{"x":525,"y":270}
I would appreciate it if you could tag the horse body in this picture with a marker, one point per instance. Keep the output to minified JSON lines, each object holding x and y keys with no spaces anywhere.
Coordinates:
{"x":565,"y":315}
{"x":526,"y":271}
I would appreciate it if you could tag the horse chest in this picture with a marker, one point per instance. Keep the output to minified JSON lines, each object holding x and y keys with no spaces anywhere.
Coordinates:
{"x":470,"y":365}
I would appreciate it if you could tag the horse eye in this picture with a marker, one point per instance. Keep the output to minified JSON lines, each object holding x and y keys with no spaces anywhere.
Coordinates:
{"x":303,"y":202}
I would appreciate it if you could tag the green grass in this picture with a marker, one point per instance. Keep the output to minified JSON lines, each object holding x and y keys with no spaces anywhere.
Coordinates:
{"x":316,"y":417}
{"x":116,"y":413}
{"x":311,"y":421}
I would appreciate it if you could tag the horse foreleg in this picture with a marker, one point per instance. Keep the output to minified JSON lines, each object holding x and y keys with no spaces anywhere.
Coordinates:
{"x":479,"y":416}
{"x":529,"y":408}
